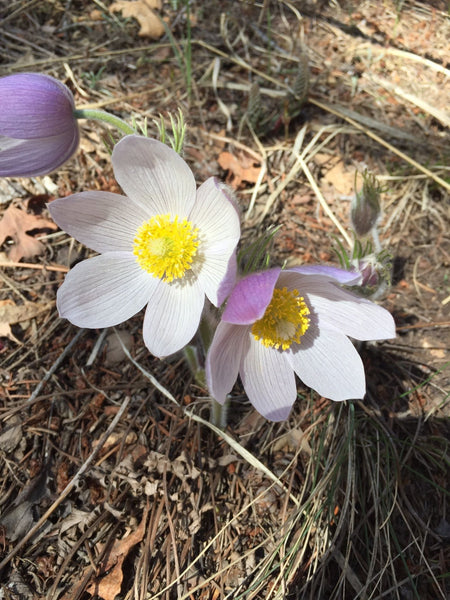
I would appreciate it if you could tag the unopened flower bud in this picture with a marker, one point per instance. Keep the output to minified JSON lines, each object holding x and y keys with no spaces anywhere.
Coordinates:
{"x":38,"y":129}
{"x":365,"y":208}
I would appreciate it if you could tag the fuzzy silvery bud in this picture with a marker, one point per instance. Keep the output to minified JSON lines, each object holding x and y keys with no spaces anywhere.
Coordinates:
{"x":365,"y":208}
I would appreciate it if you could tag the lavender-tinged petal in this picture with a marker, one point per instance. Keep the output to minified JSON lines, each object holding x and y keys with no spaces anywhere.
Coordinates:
{"x":327,"y":362}
{"x":250,"y":297}
{"x":219,"y":231}
{"x":31,"y":158}
{"x":269,"y":381}
{"x":35,"y":106}
{"x":223,"y":360}
{"x":172,"y":317}
{"x":102,"y":221}
{"x":154,"y":176}
{"x":216,"y":218}
{"x":340,"y":275}
{"x":104,"y":291}
{"x":342,"y":311}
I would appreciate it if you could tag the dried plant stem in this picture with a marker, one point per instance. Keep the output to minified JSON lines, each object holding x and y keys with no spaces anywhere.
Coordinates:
{"x":383,"y":142}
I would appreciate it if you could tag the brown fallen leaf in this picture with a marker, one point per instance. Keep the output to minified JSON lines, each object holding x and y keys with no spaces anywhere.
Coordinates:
{"x":142,"y":11}
{"x":240,"y":168}
{"x":11,"y":313}
{"x":109,"y":586}
{"x":17,"y":224}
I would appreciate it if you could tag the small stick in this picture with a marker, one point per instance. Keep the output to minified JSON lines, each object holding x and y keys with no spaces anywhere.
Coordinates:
{"x":59,"y":268}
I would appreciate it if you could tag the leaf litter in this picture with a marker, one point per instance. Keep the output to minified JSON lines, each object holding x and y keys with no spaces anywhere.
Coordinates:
{"x":370,"y":479}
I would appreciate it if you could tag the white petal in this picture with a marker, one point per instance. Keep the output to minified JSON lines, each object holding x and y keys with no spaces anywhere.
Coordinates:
{"x":102,"y":221}
{"x":172,"y":317}
{"x":339,"y":310}
{"x":269,"y":381}
{"x":329,"y":363}
{"x":154,"y":175}
{"x":218,"y":224}
{"x":104,"y":291}
{"x":216,"y":218}
{"x":224,"y":358}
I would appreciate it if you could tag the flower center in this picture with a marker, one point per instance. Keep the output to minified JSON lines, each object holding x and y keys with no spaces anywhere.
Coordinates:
{"x":166,"y":248}
{"x":284,"y":322}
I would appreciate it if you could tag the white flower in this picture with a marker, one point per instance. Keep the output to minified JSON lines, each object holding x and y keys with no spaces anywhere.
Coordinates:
{"x":278,"y":323}
{"x":165,"y":245}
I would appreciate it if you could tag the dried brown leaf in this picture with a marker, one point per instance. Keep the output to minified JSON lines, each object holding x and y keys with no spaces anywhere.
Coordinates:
{"x":17,"y":224}
{"x":240,"y":168}
{"x":142,"y":11}
{"x":109,"y":586}
{"x":11,"y":313}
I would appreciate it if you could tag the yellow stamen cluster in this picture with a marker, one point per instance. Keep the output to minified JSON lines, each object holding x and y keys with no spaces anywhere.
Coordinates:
{"x":165,"y":246}
{"x":284,"y":322}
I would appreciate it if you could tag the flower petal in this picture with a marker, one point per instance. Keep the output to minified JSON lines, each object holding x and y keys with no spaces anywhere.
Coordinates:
{"x":250,"y":297}
{"x":102,"y":221}
{"x":328,"y":362}
{"x":218,"y":224}
{"x":35,"y":106}
{"x":31,"y":158}
{"x":154,"y":175}
{"x":172,"y":317}
{"x":224,"y":358}
{"x":339,"y":310}
{"x":269,"y":381}
{"x":104,"y":291}
{"x":340,"y":275}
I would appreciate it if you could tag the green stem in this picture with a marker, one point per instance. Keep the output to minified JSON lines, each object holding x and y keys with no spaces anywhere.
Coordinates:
{"x":100,"y":115}
{"x":219,"y":413}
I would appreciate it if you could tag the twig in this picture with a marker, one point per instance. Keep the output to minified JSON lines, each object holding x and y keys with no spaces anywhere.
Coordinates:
{"x":56,"y":364}
{"x":18,"y":265}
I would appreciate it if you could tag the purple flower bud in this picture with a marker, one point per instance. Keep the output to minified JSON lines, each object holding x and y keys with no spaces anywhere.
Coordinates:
{"x":38,"y":129}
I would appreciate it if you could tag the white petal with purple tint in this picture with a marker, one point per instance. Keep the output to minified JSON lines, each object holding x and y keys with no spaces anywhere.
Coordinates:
{"x":172,"y":317}
{"x":104,"y":291}
{"x":154,"y":175}
{"x":224,"y":358}
{"x":102,"y":221}
{"x":327,"y":362}
{"x":269,"y":381}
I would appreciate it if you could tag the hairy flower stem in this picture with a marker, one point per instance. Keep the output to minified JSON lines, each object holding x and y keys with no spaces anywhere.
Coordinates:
{"x":219,"y":413}
{"x":100,"y":115}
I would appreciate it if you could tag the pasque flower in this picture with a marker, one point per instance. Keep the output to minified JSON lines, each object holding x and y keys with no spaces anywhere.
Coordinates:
{"x":165,"y":245}
{"x":38,"y":129}
{"x":280,"y":322}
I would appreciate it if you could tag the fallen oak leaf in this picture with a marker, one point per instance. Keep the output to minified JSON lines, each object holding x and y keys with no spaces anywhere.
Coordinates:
{"x":142,"y":11}
{"x":109,"y":586}
{"x":240,"y":168}
{"x":18,"y":224}
{"x":11,"y":313}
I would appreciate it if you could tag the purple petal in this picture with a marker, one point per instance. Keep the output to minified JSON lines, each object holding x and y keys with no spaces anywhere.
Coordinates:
{"x":224,"y":358}
{"x":339,"y":275}
{"x":104,"y":291}
{"x":250,"y":297}
{"x":327,"y":362}
{"x":102,"y":221}
{"x":35,"y":106}
{"x":31,"y":158}
{"x":269,"y":381}
{"x":154,"y":176}
{"x":172,"y":317}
